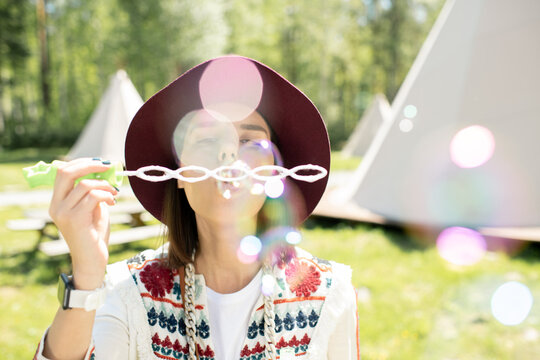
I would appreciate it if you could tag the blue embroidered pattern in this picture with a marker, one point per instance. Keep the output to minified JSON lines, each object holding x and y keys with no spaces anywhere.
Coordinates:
{"x":295,"y":317}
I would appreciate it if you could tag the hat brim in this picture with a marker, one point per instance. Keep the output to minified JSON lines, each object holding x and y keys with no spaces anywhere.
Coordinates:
{"x":296,"y":122}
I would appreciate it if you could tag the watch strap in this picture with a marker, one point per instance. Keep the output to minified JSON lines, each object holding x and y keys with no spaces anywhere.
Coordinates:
{"x":70,"y":298}
{"x":87,"y":299}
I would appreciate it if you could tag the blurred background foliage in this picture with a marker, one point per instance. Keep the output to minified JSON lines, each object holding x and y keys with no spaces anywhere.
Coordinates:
{"x":56,"y":56}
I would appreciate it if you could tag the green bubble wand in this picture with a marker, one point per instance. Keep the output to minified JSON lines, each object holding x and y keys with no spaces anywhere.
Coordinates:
{"x":45,"y":174}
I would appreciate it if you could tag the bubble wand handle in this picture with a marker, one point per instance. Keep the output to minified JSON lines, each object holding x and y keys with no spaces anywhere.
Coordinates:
{"x":44,"y":174}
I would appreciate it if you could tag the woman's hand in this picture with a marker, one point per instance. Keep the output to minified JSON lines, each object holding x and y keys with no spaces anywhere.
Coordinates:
{"x":82,"y":217}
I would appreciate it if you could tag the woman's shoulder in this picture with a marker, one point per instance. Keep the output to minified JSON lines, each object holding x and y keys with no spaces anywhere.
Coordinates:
{"x":148,"y":265}
{"x":142,"y":259}
{"x":151,"y":274}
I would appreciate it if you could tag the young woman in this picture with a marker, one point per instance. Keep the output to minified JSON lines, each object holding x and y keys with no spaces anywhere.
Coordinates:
{"x":203,"y":295}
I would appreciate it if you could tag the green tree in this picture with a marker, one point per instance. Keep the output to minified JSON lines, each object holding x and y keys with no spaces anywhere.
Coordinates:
{"x":14,"y":54}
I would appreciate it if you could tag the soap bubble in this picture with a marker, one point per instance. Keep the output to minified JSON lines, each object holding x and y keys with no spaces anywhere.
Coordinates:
{"x":231,"y":87}
{"x":249,"y":249}
{"x":511,"y":303}
{"x":461,"y":246}
{"x":251,"y":245}
{"x":472,"y":146}
{"x":410,"y":111}
{"x":293,"y":237}
{"x":406,"y":125}
{"x":274,"y":188}
{"x":257,"y":189}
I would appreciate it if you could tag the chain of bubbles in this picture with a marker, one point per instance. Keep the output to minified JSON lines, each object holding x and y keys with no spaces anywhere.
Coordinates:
{"x":241,"y":173}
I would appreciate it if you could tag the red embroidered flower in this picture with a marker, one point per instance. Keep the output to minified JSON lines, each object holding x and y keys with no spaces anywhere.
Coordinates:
{"x":303,"y":279}
{"x":294,"y":342}
{"x":258,"y":349}
{"x":305,"y":340}
{"x":245,"y":351}
{"x":177,"y":347}
{"x":157,"y":279}
{"x":208,"y":352}
{"x":281,"y":343}
{"x":156,"y":340}
{"x":166,"y":343}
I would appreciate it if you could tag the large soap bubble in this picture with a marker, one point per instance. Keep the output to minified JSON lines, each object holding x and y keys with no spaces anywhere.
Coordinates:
{"x":231,"y":87}
{"x":461,"y":246}
{"x":472,"y":146}
{"x":511,"y":303}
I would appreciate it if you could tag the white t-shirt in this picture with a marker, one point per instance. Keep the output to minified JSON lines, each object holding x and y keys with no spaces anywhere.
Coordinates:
{"x":229,"y":318}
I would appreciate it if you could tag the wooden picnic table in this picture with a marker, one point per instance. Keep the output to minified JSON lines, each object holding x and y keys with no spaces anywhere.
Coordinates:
{"x":124,"y":212}
{"x":59,"y":247}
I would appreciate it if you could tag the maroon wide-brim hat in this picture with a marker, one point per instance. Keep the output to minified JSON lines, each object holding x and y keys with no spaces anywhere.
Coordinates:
{"x":294,"y":119}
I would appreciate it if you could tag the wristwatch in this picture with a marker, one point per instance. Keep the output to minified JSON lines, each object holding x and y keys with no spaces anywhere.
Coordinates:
{"x":86,"y":299}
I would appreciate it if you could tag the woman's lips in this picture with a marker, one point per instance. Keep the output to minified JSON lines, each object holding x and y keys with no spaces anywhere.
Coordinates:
{"x":228,"y":188}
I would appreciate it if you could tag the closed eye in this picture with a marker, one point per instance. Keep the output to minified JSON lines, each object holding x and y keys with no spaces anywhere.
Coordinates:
{"x":254,"y":142}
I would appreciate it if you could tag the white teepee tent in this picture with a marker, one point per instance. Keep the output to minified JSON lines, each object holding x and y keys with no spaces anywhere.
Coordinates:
{"x":104,"y":134}
{"x":371,"y":122}
{"x":478,"y":66}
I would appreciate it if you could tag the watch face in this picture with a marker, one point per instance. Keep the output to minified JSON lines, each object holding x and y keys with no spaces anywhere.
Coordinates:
{"x":63,"y":288}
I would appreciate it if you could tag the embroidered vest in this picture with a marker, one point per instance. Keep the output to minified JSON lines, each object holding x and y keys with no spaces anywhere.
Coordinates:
{"x":299,"y":296}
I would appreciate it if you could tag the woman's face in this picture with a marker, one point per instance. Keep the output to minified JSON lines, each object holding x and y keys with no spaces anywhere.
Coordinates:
{"x":211,"y":143}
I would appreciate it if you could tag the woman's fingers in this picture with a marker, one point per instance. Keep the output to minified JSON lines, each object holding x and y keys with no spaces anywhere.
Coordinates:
{"x":81,"y":206}
{"x":91,"y":200}
{"x":68,"y":173}
{"x":83,"y":188}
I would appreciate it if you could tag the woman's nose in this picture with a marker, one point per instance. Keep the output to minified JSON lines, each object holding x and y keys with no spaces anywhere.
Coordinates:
{"x":228,"y":154}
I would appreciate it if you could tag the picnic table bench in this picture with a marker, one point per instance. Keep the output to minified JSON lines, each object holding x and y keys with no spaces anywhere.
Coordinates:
{"x":124,"y":212}
{"x":59,"y":247}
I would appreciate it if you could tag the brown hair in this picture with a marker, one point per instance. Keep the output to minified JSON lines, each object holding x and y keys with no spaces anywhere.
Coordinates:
{"x":182,"y":233}
{"x":180,"y":220}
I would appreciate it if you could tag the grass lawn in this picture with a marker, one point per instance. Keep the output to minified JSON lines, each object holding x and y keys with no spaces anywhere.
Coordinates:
{"x":342,"y":163}
{"x":412,"y":304}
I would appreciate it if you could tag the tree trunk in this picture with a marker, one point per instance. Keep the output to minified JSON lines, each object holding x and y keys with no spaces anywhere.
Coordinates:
{"x":42,"y":36}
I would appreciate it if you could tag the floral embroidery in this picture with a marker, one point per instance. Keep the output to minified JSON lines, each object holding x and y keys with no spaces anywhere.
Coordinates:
{"x":257,"y":349}
{"x":203,"y":330}
{"x":137,"y":259}
{"x":176,"y":291}
{"x":157,"y":279}
{"x":206,"y":352}
{"x":252,"y":330}
{"x":301,"y":320}
{"x":294,"y":343}
{"x":152,"y":317}
{"x":182,"y":327}
{"x":313,"y":318}
{"x":303,"y":279}
{"x":167,"y":348}
{"x":278,"y":323}
{"x":171,"y":323}
{"x":297,"y":310}
{"x":288,"y":322}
